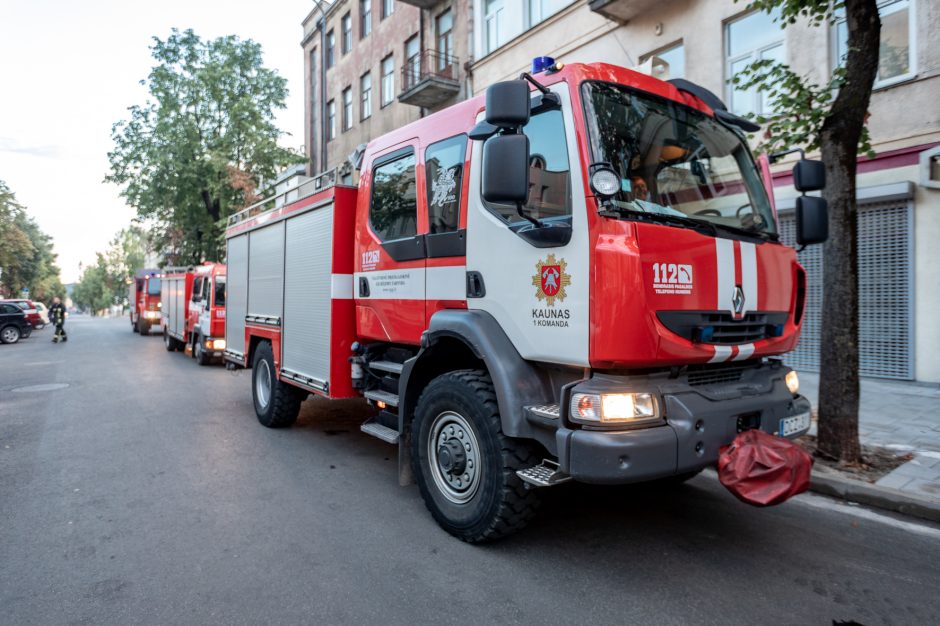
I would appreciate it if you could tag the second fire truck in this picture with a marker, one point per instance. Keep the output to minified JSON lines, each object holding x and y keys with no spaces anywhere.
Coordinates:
{"x":194,"y":311}
{"x":143,"y":298}
{"x":578,"y":277}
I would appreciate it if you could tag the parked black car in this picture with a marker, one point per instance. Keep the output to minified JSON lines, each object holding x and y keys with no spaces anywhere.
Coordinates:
{"x":13,"y":323}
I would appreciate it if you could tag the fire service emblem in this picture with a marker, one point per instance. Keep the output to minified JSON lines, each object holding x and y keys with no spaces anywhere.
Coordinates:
{"x":550,"y":280}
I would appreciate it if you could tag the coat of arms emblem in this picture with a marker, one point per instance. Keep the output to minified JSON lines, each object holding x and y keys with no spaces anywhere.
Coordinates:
{"x":551,"y":279}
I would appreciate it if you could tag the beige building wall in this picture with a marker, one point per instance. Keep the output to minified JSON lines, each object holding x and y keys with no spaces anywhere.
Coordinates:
{"x":388,"y":37}
{"x":903,"y":115}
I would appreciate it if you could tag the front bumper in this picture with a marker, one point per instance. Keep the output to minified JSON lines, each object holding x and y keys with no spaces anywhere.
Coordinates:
{"x":699,"y":420}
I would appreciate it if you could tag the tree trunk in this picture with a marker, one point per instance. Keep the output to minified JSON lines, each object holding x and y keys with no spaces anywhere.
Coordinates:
{"x":841,"y":132}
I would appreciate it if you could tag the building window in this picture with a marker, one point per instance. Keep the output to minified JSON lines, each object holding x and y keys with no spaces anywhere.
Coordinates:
{"x":755,"y":37}
{"x":393,"y":211}
{"x":346,"y":25}
{"x":540,"y":10}
{"x":443,"y":167}
{"x":347,"y":108}
{"x":445,"y":39}
{"x":330,"y":120}
{"x":412,"y":70}
{"x":388,"y":80}
{"x":667,"y":63}
{"x":896,"y":57}
{"x":365,"y":18}
{"x":365,"y":96}
{"x":330,"y":49}
{"x":388,"y":7}
{"x":493,"y":24}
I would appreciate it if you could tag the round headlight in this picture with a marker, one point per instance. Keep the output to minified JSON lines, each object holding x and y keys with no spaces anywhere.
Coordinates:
{"x":793,"y":382}
{"x":605,"y":182}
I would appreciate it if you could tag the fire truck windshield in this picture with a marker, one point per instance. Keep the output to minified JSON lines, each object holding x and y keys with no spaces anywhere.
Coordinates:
{"x":675,"y":161}
{"x":153,"y":287}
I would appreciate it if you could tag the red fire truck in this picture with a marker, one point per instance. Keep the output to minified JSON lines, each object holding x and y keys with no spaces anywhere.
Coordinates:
{"x":143,"y":298}
{"x":194,"y":311}
{"x":578,"y":276}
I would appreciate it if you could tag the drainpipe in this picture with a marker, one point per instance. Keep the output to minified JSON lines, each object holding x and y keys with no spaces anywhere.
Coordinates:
{"x":322,"y":87}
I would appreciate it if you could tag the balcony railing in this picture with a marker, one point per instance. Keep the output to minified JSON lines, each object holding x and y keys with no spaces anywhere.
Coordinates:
{"x":429,"y":78}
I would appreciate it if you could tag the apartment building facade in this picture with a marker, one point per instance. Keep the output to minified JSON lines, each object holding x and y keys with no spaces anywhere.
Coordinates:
{"x":375,"y":65}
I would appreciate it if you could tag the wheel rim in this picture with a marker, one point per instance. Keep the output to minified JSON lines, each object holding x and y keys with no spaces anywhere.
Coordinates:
{"x":454,"y":457}
{"x":9,"y":335}
{"x":263,"y":384}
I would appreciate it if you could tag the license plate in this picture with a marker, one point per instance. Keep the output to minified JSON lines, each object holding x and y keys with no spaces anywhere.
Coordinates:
{"x":795,"y":424}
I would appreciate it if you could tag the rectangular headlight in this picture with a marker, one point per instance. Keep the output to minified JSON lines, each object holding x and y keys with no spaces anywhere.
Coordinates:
{"x":216,"y":344}
{"x":625,"y":408}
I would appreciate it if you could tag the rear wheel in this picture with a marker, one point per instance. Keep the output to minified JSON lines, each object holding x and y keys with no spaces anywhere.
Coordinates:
{"x":10,"y":334}
{"x":464,"y":465}
{"x":276,"y":403}
{"x":144,"y":328}
{"x":168,"y":342}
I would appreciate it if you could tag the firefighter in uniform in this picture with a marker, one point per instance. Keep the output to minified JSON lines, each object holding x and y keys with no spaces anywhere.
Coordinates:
{"x":57,"y":317}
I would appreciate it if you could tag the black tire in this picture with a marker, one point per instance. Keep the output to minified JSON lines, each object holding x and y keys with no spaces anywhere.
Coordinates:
{"x":199,"y":351}
{"x":283,"y":401}
{"x":499,"y":504}
{"x":168,"y":342}
{"x":144,"y":328}
{"x":10,"y":334}
{"x":135,"y":326}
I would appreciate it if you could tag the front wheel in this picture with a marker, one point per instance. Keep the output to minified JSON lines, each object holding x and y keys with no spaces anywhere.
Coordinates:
{"x":199,"y":351}
{"x":144,"y":328}
{"x":135,"y":326}
{"x":168,"y":342}
{"x":10,"y":334}
{"x":464,"y":465}
{"x":276,"y":403}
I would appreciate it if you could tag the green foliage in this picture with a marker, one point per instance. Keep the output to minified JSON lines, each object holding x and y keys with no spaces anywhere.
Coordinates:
{"x":801,"y":106}
{"x":197,"y":149}
{"x":104,"y":284}
{"x":26,"y":255}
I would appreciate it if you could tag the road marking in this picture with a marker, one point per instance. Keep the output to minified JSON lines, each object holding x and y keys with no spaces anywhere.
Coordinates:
{"x":820,"y":502}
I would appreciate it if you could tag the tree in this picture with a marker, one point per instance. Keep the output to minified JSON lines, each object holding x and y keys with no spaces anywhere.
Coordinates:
{"x":831,"y":118}
{"x":26,"y":252}
{"x":104,"y":284}
{"x":198,"y":148}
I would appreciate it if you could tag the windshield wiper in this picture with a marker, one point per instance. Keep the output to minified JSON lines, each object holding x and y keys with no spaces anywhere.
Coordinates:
{"x":747,"y":232}
{"x":665,"y":218}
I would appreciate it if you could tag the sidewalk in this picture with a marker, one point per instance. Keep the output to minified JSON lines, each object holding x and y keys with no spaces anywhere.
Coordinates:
{"x":903,"y":417}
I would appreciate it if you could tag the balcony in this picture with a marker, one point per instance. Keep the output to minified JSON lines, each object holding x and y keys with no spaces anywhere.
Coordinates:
{"x":429,"y":79}
{"x":622,"y":10}
{"x":422,"y":4}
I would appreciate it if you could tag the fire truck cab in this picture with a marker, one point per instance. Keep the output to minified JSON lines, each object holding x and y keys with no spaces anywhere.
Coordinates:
{"x":143,"y":298}
{"x":194,"y":311}
{"x":576,"y":277}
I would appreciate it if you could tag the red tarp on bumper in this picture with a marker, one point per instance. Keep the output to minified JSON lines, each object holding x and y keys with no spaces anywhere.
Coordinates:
{"x":762,"y":469}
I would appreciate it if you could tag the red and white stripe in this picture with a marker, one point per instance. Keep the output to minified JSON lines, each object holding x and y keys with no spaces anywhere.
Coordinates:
{"x":736,"y":265}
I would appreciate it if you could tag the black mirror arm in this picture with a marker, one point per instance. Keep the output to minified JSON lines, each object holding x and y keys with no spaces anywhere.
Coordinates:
{"x":526,"y":216}
{"x":776,"y":156}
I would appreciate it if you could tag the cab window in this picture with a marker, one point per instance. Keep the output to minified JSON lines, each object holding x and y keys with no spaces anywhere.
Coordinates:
{"x":220,"y":291}
{"x":197,"y":290}
{"x":393,"y":212}
{"x":444,"y":165}
{"x":549,"y":172}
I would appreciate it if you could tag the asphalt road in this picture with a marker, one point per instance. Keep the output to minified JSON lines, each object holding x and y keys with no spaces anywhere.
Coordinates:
{"x":145,"y":491}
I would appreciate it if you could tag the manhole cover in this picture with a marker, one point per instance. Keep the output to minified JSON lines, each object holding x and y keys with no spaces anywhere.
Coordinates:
{"x":47,"y":387}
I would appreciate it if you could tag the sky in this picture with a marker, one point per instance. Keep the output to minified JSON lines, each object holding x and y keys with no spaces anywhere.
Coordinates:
{"x":69,"y":69}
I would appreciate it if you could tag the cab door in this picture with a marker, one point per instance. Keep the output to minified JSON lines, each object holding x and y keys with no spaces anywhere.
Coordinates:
{"x":391,"y":254}
{"x":539,"y":295}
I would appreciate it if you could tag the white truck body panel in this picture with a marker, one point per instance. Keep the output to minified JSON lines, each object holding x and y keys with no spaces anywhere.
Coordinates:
{"x":237,"y":300}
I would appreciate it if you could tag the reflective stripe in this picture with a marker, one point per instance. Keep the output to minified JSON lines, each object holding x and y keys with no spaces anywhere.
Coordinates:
{"x":722,"y":353}
{"x":749,"y":276}
{"x":744,"y":352}
{"x":447,"y":283}
{"x":416,"y":283}
{"x":341,"y":286}
{"x":724,"y":268}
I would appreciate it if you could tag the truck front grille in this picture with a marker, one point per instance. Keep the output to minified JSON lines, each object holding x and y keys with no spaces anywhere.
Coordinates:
{"x":712,"y":375}
{"x":717,"y":327}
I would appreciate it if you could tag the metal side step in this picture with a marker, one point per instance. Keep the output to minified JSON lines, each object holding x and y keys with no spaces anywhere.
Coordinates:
{"x":378,"y":395}
{"x":386,"y":434}
{"x":545,"y":474}
{"x":386,"y":366}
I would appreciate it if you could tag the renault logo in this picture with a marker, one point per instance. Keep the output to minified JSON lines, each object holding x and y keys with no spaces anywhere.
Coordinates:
{"x":738,"y":300}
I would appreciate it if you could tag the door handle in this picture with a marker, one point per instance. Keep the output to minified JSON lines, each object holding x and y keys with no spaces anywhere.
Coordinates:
{"x":363,"y":287}
{"x":475,"y":286}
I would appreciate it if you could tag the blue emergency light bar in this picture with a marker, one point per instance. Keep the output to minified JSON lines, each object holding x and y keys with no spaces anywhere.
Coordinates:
{"x":540,"y":64}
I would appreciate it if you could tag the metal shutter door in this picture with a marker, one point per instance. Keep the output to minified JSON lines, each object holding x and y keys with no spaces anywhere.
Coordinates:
{"x":236,"y":301}
{"x":885,"y":266}
{"x":266,"y":271}
{"x":307,"y":302}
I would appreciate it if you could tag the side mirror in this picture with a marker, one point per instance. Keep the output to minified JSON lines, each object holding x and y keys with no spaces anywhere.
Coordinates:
{"x":812,"y":220}
{"x":809,"y":175}
{"x":507,"y":104}
{"x":506,"y":169}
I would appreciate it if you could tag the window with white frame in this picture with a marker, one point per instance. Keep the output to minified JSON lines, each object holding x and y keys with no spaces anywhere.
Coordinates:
{"x":365,"y":18}
{"x":492,"y":23}
{"x":388,"y":80}
{"x":347,"y":108}
{"x":539,"y":10}
{"x":445,"y":39}
{"x":668,"y":63}
{"x":365,"y":96}
{"x":388,"y":7}
{"x":896,"y":59}
{"x":755,"y":37}
{"x":346,"y":26}
{"x":330,"y":49}
{"x":331,"y":120}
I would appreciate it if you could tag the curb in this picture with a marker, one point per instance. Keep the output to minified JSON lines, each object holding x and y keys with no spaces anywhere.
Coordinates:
{"x":832,"y":484}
